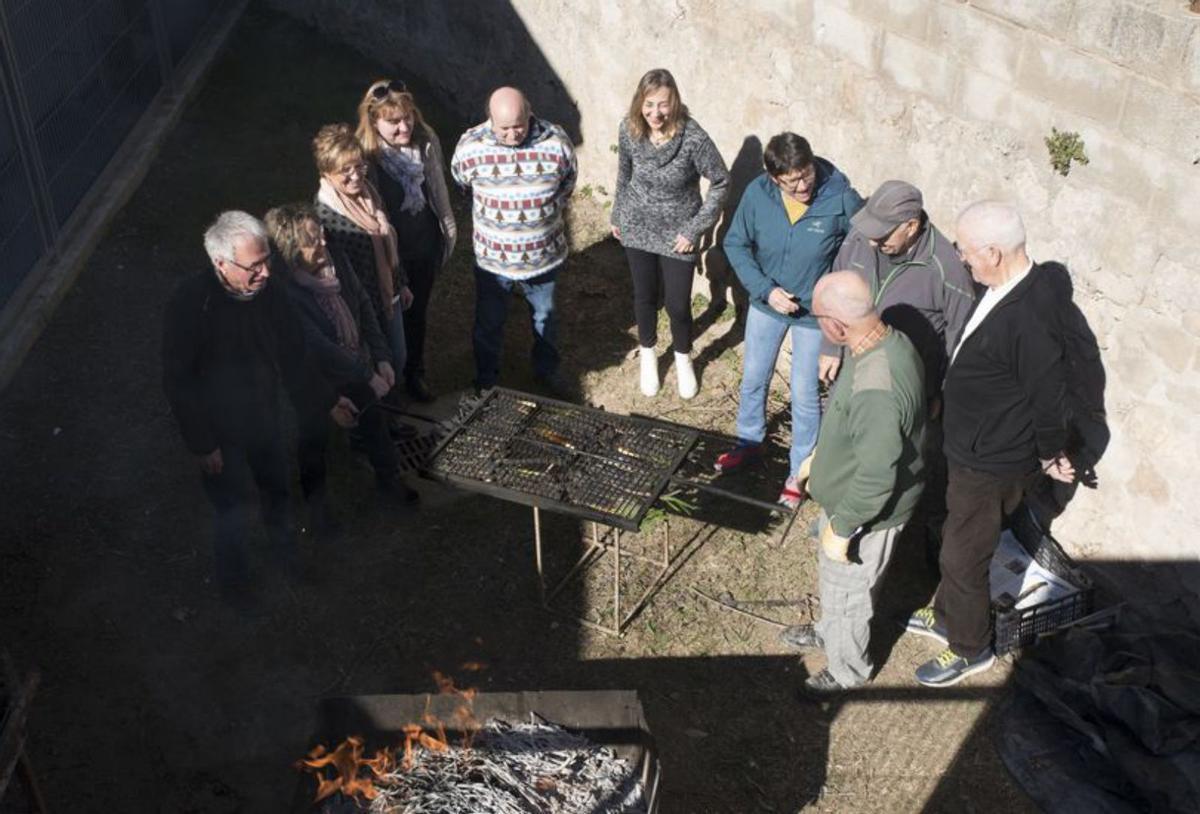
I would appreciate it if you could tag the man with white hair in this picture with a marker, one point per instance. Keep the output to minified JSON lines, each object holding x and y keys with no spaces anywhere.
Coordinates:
{"x":521,"y":172}
{"x":229,"y":335}
{"x":866,"y":473}
{"x":1004,"y":423}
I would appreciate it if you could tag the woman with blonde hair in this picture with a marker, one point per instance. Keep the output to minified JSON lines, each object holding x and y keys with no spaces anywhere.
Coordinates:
{"x":356,"y":223}
{"x":659,"y":215}
{"x":407,"y":166}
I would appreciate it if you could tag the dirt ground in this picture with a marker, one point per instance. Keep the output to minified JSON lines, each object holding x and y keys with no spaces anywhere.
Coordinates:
{"x":157,"y":697}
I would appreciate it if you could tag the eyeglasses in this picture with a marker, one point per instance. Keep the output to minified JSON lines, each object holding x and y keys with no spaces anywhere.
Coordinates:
{"x":257,"y":267}
{"x":351,"y":170}
{"x":380,"y":90}
{"x":805,"y":176}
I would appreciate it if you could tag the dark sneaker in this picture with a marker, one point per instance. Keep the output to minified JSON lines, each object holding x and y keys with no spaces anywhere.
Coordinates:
{"x":417,"y":388}
{"x":802,"y":637}
{"x":738,"y":458}
{"x":401,"y":431}
{"x":949,"y":668}
{"x":555,"y":386}
{"x":821,"y":687}
{"x":924,"y":622}
{"x":397,"y":491}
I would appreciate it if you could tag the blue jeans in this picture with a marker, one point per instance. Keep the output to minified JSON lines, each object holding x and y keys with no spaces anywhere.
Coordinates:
{"x":492,"y":293}
{"x":764,"y":337}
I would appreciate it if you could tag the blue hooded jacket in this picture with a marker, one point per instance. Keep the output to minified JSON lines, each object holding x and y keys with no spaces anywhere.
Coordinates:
{"x":766,"y":250}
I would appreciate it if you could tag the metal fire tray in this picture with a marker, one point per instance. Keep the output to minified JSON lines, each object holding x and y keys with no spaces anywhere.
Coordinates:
{"x":563,"y":457}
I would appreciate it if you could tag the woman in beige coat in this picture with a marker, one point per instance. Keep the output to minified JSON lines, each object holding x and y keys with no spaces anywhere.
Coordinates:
{"x":408,"y":168}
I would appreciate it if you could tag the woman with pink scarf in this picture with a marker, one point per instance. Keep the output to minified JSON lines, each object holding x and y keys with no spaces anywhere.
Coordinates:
{"x":356,"y":224}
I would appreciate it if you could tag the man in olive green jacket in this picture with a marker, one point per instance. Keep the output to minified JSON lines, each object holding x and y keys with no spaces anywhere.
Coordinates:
{"x":866,"y":474}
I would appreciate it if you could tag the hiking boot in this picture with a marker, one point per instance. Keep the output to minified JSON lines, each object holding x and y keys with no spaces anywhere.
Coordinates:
{"x":949,"y":668}
{"x":738,"y":458}
{"x":793,"y":494}
{"x":822,"y":686}
{"x":801,"y":637}
{"x":924,"y":622}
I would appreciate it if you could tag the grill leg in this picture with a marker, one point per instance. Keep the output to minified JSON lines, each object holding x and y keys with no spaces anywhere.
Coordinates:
{"x":617,"y":619}
{"x":537,"y":550}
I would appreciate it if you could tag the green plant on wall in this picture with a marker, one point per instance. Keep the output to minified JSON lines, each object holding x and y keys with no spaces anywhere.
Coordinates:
{"x":1064,"y":148}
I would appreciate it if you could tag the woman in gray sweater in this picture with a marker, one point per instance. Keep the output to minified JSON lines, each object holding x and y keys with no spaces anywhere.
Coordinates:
{"x":659,"y":215}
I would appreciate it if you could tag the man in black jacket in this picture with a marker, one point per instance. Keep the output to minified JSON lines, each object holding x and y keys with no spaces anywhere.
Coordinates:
{"x":229,"y":336}
{"x":1004,"y":423}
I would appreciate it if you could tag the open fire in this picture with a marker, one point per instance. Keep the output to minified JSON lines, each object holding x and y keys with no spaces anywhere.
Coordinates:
{"x":499,"y":766}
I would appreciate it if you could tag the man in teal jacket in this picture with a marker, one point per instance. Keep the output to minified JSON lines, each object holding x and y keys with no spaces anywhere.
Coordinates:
{"x":789,"y":226}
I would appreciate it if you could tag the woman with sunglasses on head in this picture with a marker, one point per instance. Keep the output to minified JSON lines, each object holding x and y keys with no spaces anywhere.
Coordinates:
{"x":356,"y":224}
{"x":659,"y":216}
{"x":407,"y":166}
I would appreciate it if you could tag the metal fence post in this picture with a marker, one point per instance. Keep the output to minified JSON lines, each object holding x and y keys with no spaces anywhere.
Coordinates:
{"x":18,"y":111}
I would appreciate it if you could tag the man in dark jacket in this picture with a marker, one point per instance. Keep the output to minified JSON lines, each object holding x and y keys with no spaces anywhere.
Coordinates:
{"x":229,"y":336}
{"x":1004,"y":423}
{"x":787,"y":229}
{"x":346,"y":349}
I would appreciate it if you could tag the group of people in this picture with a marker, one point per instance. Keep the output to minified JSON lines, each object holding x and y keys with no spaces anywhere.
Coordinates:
{"x":943,"y":358}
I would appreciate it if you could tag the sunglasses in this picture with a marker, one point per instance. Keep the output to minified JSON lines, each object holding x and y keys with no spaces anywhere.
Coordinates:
{"x":380,"y":90}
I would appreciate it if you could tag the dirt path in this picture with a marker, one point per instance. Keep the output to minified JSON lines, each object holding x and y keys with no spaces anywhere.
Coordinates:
{"x":156,"y":697}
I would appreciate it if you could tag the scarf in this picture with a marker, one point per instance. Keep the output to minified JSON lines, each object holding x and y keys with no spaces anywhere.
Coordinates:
{"x":405,"y":167}
{"x":325,"y":287}
{"x":367,"y":213}
{"x":240,"y":296}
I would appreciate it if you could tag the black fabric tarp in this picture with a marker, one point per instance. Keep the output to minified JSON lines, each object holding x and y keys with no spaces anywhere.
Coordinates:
{"x":1108,"y":722}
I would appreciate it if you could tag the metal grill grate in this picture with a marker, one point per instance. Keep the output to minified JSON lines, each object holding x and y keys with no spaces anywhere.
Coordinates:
{"x":559,"y":456}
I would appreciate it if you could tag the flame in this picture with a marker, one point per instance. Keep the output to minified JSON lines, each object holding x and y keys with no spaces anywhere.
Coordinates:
{"x":347,"y":761}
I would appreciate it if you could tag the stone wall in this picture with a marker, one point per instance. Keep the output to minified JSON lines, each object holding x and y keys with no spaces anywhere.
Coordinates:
{"x":954,"y":96}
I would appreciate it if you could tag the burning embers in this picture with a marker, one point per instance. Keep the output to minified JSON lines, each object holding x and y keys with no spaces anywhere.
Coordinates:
{"x":495,"y":767}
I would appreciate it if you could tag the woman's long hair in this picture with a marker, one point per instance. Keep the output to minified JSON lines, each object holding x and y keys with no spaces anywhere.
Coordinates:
{"x":651,"y":81}
{"x":374,"y":107}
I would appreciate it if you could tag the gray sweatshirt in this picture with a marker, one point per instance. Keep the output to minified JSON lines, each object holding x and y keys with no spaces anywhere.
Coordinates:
{"x":927,"y":293}
{"x":658,"y":189}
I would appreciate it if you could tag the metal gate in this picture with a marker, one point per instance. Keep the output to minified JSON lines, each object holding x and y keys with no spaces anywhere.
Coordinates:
{"x":75,"y":75}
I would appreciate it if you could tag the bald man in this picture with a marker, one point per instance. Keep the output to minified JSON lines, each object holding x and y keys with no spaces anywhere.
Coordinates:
{"x":866,"y":473}
{"x":521,"y":171}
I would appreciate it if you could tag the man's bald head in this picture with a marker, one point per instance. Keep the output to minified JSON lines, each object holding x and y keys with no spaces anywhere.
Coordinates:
{"x":844,"y":296}
{"x":509,"y":114}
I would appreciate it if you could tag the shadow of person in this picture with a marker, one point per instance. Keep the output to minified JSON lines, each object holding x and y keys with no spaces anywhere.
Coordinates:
{"x":723,"y":284}
{"x":1087,"y":422}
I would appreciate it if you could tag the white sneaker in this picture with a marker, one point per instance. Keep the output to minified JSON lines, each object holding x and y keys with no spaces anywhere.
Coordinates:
{"x":649,"y":375}
{"x":685,"y":376}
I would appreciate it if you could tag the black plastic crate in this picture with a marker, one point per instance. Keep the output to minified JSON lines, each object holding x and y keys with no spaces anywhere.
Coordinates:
{"x":1014,"y":628}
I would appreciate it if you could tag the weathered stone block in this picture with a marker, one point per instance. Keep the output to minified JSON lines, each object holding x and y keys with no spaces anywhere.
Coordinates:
{"x":1191,"y":63}
{"x":1164,"y":119}
{"x":841,"y":33}
{"x":981,"y":41}
{"x":1049,"y":16}
{"x":915,"y":67}
{"x":1151,"y":43}
{"x":995,"y":101}
{"x":1072,"y":81}
{"x":908,"y":17}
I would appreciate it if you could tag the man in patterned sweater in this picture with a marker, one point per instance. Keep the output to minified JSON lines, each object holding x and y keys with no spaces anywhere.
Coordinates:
{"x":521,"y":171}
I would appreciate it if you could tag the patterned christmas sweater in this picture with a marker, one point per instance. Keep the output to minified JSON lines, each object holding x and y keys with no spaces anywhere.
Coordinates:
{"x":519,"y":195}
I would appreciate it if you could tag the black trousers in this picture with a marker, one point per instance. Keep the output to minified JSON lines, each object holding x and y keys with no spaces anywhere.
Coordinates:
{"x":231,"y":492}
{"x":314,"y":439}
{"x":422,"y":268}
{"x":976,"y":505}
{"x":648,"y":270}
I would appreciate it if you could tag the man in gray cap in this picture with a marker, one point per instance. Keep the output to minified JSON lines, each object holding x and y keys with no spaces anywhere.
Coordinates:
{"x":919,"y":283}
